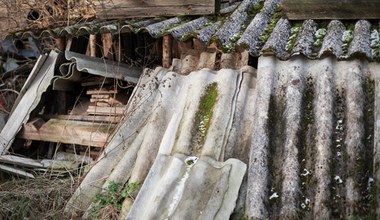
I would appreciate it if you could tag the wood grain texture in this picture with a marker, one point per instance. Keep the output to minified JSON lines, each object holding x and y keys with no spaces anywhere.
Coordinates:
{"x":69,"y":132}
{"x":152,"y":8}
{"x":330,"y":9}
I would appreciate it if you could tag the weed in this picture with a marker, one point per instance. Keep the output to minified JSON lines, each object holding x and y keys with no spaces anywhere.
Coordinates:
{"x":108,"y":203}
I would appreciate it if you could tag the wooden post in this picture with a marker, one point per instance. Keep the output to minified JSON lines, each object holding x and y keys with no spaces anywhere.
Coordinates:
{"x":60,"y":43}
{"x":92,"y":45}
{"x":107,"y":45}
{"x":167,"y":51}
{"x":68,"y":43}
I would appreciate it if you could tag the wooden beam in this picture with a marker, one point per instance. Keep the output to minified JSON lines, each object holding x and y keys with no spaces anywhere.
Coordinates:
{"x":135,"y":8}
{"x":91,"y":118}
{"x":167,"y":41}
{"x":92,"y":45}
{"x":69,"y":132}
{"x":330,"y":9}
{"x":98,"y":110}
{"x":107,"y":45}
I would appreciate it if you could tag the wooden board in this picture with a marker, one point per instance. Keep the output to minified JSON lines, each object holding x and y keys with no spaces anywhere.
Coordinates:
{"x":91,"y":118}
{"x":102,"y":91}
{"x":330,"y":9}
{"x":152,"y":8}
{"x":98,"y":110}
{"x":69,"y":132}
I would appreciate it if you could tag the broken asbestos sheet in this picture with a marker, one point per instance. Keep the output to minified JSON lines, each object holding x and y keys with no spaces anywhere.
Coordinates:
{"x":181,"y":187}
{"x":170,"y":121}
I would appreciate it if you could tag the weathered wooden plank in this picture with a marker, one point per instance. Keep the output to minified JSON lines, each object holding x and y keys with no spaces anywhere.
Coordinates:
{"x":330,"y":9}
{"x":137,"y":8}
{"x":42,"y":80}
{"x":69,"y":132}
{"x":91,"y":118}
{"x":15,"y":171}
{"x":102,"y":91}
{"x":98,"y":110}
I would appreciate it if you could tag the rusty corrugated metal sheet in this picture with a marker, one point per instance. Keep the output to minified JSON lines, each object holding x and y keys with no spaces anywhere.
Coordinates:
{"x":253,"y":24}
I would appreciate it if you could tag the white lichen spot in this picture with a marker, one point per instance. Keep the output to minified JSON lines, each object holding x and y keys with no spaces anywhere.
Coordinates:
{"x":338,"y":180}
{"x":370,"y":182}
{"x":305,"y":204}
{"x":338,"y":154}
{"x":305,"y":172}
{"x":273,"y":196}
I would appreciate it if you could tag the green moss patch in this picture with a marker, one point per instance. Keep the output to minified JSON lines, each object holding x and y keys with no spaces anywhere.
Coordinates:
{"x":204,"y":114}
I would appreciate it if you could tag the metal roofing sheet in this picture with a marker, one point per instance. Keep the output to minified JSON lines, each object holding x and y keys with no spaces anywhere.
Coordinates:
{"x":249,"y":25}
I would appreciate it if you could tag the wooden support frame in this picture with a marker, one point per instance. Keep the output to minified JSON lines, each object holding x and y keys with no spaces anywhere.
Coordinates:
{"x":136,"y":8}
{"x":330,"y":9}
{"x":167,"y":42}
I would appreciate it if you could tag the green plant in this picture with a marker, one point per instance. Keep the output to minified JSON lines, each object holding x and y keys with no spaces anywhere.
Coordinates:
{"x":108,"y":204}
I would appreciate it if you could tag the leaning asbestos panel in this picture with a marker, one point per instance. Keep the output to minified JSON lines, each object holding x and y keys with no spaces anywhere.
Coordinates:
{"x":37,"y":83}
{"x":313,"y":152}
{"x":181,"y":187}
{"x":203,"y":114}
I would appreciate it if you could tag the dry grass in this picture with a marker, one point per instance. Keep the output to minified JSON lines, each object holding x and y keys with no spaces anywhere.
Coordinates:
{"x":40,"y":198}
{"x":39,"y":14}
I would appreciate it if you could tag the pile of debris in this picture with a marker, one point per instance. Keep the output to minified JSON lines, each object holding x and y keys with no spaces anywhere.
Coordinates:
{"x":65,"y":113}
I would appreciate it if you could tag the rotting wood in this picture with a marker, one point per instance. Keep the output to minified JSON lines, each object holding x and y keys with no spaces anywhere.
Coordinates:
{"x":330,"y":9}
{"x":69,"y":132}
{"x":167,"y":41}
{"x":133,"y":8}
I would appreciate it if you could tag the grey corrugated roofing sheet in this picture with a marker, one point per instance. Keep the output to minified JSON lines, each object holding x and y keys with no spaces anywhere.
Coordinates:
{"x":165,"y":119}
{"x":305,"y":128}
{"x":249,"y":25}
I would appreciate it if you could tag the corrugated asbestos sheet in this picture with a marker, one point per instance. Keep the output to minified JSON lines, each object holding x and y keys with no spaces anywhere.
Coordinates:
{"x":171,"y":121}
{"x":305,"y":129}
{"x":253,"y":24}
{"x":312,"y":153}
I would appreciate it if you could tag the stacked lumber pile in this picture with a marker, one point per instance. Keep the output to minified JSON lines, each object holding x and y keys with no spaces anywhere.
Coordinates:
{"x":106,"y":99}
